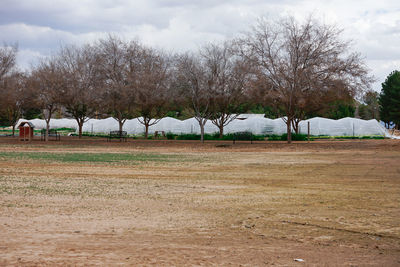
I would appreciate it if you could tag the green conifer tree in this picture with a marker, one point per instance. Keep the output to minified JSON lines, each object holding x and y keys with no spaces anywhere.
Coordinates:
{"x":389,"y":99}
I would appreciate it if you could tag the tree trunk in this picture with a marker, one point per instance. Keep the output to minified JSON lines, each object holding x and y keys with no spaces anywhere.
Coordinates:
{"x":221,"y":131}
{"x":46,"y":137}
{"x":201,"y":132}
{"x":80,"y":125}
{"x":121,"y":124}
{"x":146,"y":132}
{"x":295,"y":124}
{"x":289,"y":130}
{"x":10,"y":117}
{"x":47,"y":112}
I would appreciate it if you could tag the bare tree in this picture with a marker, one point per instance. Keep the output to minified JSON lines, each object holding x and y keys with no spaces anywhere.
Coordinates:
{"x":47,"y":85}
{"x":8,"y":56}
{"x":302,"y":59}
{"x":13,"y":97}
{"x":118,"y":69}
{"x":11,"y":85}
{"x":152,"y":83}
{"x":227,"y":77}
{"x":192,"y":79}
{"x":79,"y":66}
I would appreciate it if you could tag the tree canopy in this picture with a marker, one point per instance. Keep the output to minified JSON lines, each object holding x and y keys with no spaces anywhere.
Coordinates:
{"x":283,"y":68}
{"x":303,"y":65}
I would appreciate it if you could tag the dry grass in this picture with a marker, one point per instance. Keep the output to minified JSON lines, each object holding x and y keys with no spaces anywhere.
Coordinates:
{"x":328,"y":203}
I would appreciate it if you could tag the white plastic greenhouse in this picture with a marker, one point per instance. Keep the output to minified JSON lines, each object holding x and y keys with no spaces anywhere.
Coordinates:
{"x":255,"y":124}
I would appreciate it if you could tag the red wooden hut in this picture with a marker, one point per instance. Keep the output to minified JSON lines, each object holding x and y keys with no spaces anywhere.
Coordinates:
{"x":26,"y":131}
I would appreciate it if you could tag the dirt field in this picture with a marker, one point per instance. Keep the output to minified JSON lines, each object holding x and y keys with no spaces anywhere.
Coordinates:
{"x":89,"y":202}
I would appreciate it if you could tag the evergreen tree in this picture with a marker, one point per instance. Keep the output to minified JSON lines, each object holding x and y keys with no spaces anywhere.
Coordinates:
{"x":389,"y":99}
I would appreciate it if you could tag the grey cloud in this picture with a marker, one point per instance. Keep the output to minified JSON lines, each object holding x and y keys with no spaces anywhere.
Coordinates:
{"x":79,"y":17}
{"x":41,"y":26}
{"x":83,"y":16}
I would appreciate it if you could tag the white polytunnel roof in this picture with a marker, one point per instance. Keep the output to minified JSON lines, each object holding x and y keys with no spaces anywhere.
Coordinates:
{"x":255,"y":124}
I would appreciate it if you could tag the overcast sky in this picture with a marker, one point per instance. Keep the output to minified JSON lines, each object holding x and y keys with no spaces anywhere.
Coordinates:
{"x":40,"y":27}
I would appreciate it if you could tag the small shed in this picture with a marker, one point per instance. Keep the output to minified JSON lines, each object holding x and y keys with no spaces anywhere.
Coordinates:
{"x":26,"y":131}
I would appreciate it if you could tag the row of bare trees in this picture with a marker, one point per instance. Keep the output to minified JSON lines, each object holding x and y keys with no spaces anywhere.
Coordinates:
{"x":294,"y":67}
{"x":11,"y":85}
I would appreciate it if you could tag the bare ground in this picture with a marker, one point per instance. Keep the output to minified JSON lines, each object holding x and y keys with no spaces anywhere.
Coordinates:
{"x":331,"y":203}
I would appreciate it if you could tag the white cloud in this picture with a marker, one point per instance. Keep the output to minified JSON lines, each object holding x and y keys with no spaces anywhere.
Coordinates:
{"x":44,"y":40}
{"x":28,"y":58}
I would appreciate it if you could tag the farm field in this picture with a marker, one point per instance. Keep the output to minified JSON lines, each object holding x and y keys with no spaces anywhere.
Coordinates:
{"x":159,"y":202}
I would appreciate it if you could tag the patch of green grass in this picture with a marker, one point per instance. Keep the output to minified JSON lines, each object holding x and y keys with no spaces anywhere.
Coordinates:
{"x":90,"y":157}
{"x":65,"y":129}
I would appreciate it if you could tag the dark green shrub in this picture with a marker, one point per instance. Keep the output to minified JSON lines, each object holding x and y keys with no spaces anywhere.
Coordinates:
{"x":214,"y":136}
{"x":372,"y":137}
{"x":188,"y":137}
{"x":274,"y":137}
{"x":245,"y":136}
{"x":170,"y":136}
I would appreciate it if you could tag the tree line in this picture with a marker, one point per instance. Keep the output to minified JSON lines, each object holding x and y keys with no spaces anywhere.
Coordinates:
{"x":281,"y":68}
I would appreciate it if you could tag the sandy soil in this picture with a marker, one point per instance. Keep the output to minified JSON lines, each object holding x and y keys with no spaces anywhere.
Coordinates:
{"x":330,"y":203}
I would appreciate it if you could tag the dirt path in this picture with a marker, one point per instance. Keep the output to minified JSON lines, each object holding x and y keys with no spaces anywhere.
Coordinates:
{"x":329,"y":203}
